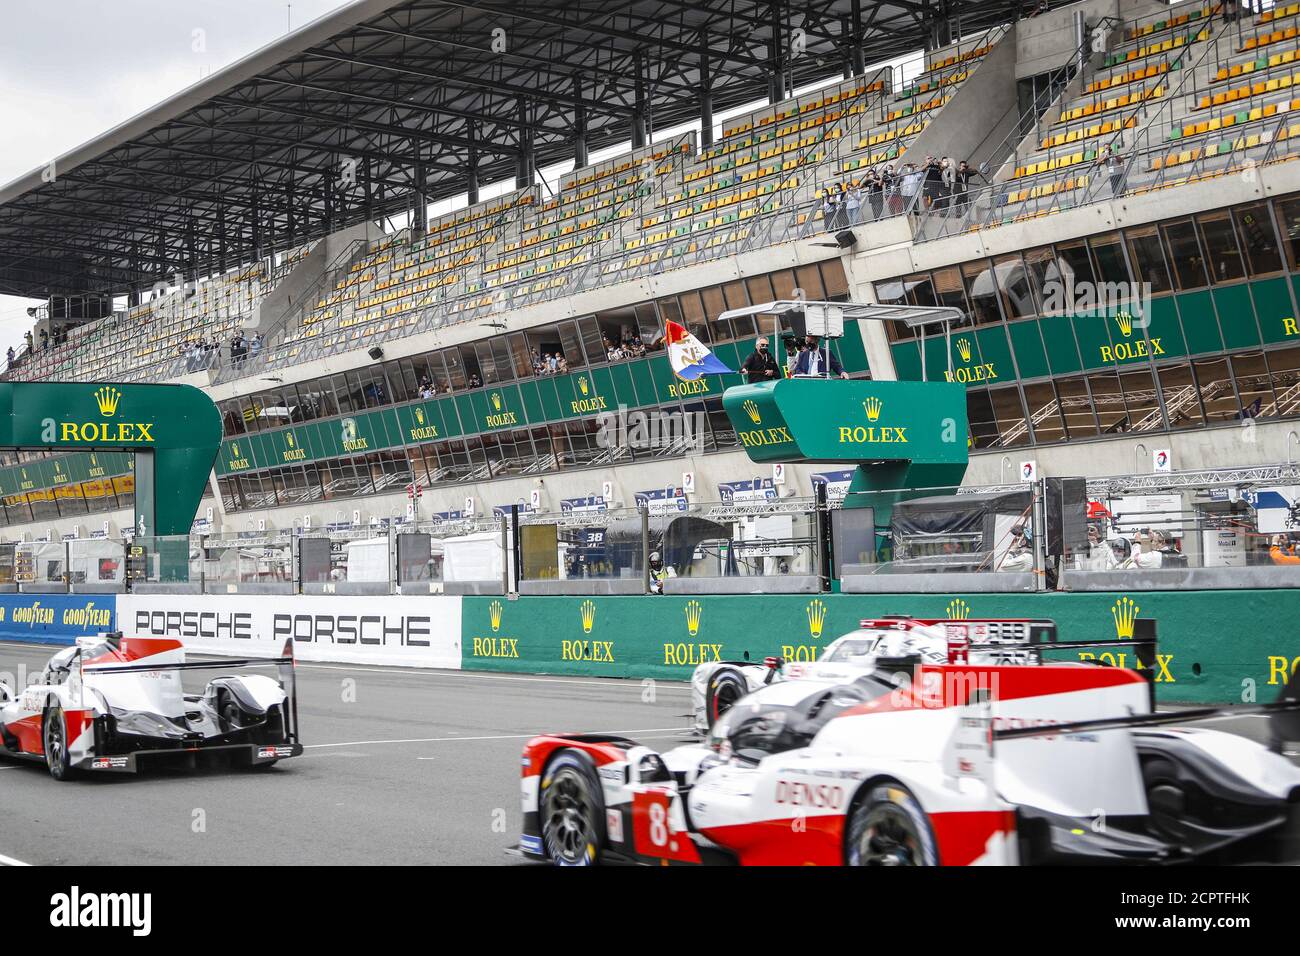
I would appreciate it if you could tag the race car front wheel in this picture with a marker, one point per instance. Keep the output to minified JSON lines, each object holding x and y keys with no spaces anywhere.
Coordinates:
{"x":889,"y":828}
{"x":726,"y":686}
{"x":57,"y":757}
{"x":572,"y":811}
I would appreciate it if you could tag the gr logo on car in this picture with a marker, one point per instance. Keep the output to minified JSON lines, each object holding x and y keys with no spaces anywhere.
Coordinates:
{"x":799,"y":794}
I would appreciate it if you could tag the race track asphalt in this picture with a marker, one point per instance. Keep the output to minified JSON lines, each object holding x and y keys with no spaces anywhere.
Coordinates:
{"x":417,"y":767}
{"x":402,"y":766}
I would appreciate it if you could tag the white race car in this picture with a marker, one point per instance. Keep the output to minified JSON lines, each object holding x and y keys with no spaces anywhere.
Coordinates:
{"x":927,"y":764}
{"x":110,"y":702}
{"x":717,"y":685}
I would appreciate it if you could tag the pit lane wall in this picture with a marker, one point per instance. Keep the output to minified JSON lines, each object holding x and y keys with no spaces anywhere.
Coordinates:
{"x":1215,"y":646}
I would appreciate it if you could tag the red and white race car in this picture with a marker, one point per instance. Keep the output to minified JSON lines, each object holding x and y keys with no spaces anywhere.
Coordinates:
{"x":110,"y":702}
{"x":925,"y":764}
{"x":717,"y":685}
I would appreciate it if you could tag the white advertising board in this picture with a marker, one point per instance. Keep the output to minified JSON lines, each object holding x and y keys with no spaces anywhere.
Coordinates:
{"x":411,"y":630}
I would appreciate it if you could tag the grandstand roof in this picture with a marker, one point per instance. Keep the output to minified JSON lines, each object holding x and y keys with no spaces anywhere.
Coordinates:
{"x":328,"y":126}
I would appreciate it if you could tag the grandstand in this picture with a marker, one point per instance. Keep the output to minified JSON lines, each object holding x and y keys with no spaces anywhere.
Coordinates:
{"x":1128,"y":142}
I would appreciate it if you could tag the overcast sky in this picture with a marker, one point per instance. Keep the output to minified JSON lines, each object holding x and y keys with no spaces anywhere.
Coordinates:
{"x":72,"y":69}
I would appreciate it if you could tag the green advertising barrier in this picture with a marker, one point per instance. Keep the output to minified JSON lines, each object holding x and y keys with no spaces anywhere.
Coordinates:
{"x":1206,"y":655}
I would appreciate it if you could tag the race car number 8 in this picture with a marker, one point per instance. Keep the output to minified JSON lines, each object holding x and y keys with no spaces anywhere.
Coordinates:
{"x":652,"y":831}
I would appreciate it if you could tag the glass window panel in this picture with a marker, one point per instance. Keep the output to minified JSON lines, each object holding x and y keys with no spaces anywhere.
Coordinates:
{"x":487,"y":363}
{"x":1184,"y":251}
{"x":981,"y":290}
{"x":1073,"y":262}
{"x":1013,"y":430}
{"x":1108,"y":258}
{"x":1108,"y":400}
{"x":1215,"y":387}
{"x":760,"y":290}
{"x":1181,"y":396}
{"x":1222,"y":253}
{"x":1258,"y":239}
{"x":1284,"y":368}
{"x":1148,"y":257}
{"x":1288,"y":214}
{"x":834,"y":280}
{"x":714,"y":306}
{"x":983,"y":422}
{"x":501,"y":357}
{"x":1045,"y":413}
{"x":810,"y":280}
{"x":1076,"y":407}
{"x":920,"y":289}
{"x":784,"y":284}
{"x":1140,"y":397}
{"x":1255,"y":393}
{"x":1017,"y":292}
{"x":571,"y":346}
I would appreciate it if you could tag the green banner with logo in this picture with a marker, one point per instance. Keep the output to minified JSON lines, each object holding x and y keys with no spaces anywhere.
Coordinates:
{"x":1205,"y":655}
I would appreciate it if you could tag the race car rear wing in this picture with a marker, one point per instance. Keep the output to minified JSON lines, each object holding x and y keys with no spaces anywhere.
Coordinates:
{"x":285,"y":665}
{"x":1143,"y":642}
{"x":1283,"y":716}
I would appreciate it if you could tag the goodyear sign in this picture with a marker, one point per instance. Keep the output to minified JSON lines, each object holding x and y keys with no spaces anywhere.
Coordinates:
{"x":56,"y":618}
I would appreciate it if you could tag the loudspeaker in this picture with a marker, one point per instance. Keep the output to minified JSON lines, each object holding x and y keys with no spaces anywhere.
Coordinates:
{"x":376,"y":353}
{"x":1067,"y":515}
{"x":846,"y":239}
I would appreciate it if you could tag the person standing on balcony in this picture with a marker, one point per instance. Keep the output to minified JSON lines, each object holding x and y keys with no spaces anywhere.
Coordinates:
{"x":961,"y":186}
{"x":875,"y":194}
{"x":761,"y":366}
{"x":830,"y":208}
{"x":911,"y":187}
{"x":853,"y":204}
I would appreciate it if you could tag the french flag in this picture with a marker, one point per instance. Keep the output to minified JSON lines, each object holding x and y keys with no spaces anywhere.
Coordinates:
{"x":688,"y":356}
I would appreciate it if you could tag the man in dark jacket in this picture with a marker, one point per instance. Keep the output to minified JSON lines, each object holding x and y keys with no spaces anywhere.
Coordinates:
{"x":815,"y":360}
{"x":761,"y":366}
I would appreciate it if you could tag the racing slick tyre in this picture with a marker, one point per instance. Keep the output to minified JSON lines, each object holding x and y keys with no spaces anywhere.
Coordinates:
{"x":888,"y":828}
{"x":572,"y":811}
{"x":726,"y":686}
{"x":55,"y":738}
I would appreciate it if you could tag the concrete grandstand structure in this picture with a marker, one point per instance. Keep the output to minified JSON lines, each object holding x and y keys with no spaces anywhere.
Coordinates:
{"x":1126,"y":143}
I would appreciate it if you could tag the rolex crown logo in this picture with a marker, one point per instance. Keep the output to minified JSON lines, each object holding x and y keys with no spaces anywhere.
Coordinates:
{"x":290,"y":439}
{"x":1125,"y":322}
{"x":816,"y":618}
{"x":958,"y":610}
{"x":1125,"y":613}
{"x":494,"y":615}
{"x":872,"y":407}
{"x":419,"y":416}
{"x":693,"y":612}
{"x":963,"y":349}
{"x":234,"y":449}
{"x":496,"y":401}
{"x":588,"y":610}
{"x":107,"y":398}
{"x":751,"y":410}
{"x":582,"y":384}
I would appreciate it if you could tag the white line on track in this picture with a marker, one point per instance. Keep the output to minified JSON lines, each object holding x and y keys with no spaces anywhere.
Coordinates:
{"x":431,"y":672}
{"x":631,"y":682}
{"x":439,"y":740}
{"x":10,"y":861}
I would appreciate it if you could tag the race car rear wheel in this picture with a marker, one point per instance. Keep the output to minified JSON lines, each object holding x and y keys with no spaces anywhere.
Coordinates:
{"x":726,"y":686}
{"x":57,"y":757}
{"x":572,"y":811}
{"x":889,"y":828}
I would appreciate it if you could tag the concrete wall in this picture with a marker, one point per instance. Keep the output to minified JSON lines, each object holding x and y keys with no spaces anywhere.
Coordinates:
{"x":287,"y":295}
{"x":979,"y":116}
